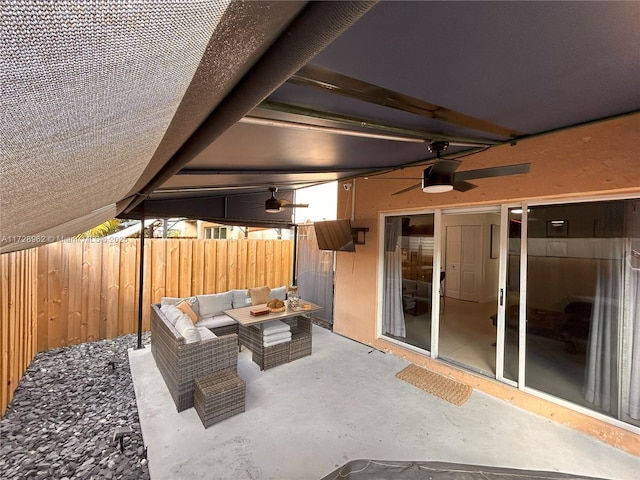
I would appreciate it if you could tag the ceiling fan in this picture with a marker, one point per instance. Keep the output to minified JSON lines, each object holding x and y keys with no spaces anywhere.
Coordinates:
{"x":274,"y":205}
{"x":441,"y":176}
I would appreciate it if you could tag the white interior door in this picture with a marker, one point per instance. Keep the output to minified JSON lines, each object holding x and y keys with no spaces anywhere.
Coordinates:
{"x":453,"y":252}
{"x":470,"y":262}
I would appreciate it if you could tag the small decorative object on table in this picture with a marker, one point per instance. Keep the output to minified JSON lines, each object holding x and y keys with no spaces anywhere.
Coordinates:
{"x":302,"y":307}
{"x":256,"y":312}
{"x":276,"y":306}
{"x":294,"y":297}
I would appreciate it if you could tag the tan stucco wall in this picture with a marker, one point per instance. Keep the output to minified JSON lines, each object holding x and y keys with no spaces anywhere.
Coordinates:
{"x":597,"y":159}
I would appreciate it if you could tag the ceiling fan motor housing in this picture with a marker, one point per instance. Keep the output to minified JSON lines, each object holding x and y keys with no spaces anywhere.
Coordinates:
{"x":272,"y":205}
{"x":436,"y":183}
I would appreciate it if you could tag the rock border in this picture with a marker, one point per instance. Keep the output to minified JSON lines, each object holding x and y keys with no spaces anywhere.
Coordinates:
{"x":61,"y":421}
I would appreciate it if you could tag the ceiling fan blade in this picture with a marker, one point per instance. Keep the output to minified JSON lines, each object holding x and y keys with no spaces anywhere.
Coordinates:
{"x":444,"y":166}
{"x":493,"y":172}
{"x":294,"y":205}
{"x":404,"y":190}
{"x":463,"y":186}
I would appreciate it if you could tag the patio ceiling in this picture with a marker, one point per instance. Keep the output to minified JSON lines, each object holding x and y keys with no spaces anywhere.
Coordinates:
{"x":290,"y":94}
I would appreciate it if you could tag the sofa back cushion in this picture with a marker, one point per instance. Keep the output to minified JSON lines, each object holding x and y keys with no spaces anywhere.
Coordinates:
{"x":187,"y":329}
{"x":171,"y":313}
{"x":214,"y":304}
{"x":193,"y":301}
{"x":424,"y":289}
{"x":279,"y":293}
{"x":241,"y":298}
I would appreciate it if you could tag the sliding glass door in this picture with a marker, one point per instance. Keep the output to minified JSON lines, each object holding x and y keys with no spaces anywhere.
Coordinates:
{"x":547,"y":300}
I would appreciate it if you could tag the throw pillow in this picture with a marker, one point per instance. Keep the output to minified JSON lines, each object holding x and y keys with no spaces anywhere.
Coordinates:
{"x":187,"y":329}
{"x":193,"y":301}
{"x":185,"y":308}
{"x":214,"y":304}
{"x":259,"y":295}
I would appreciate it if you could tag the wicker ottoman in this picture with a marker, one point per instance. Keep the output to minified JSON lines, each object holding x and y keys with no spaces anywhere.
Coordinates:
{"x":218,"y":396}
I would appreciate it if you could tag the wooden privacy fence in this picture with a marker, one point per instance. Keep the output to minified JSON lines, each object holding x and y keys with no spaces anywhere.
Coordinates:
{"x":18,"y":343}
{"x":80,"y":291}
{"x":89,"y":291}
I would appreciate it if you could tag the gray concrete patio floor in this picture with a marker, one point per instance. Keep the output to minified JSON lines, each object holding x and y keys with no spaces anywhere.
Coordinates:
{"x":306,"y":418}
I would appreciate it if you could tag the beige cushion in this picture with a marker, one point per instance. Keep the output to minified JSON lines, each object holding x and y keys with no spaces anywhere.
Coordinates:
{"x":185,"y":308}
{"x":259,"y":295}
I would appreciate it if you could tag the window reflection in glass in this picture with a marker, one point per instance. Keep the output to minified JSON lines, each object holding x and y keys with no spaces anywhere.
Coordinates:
{"x":408,"y":270}
{"x":575,"y":273}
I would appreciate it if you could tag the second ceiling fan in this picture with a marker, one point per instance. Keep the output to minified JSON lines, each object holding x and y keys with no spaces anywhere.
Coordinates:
{"x":275,"y":205}
{"x":441,"y":176}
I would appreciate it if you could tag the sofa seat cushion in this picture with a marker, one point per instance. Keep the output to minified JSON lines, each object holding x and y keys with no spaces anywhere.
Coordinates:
{"x":276,"y":339}
{"x":274,"y":326}
{"x":214,"y":304}
{"x":205,"y":333}
{"x":187,"y":329}
{"x":216,"y":321}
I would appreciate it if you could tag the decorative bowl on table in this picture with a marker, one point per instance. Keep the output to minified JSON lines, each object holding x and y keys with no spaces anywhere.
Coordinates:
{"x":276,"y":306}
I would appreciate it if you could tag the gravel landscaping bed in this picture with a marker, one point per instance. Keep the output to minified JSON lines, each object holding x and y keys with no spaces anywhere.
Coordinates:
{"x":61,"y":421}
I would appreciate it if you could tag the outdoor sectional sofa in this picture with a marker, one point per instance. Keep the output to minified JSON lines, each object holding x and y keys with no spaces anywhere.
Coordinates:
{"x":184,"y":351}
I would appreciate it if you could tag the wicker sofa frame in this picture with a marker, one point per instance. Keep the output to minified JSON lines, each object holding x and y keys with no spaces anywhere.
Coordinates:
{"x":180,"y":363}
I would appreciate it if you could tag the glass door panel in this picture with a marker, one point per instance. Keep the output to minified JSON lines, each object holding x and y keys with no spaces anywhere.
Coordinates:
{"x":467,"y":333}
{"x":574,"y":293}
{"x":512,"y":297}
{"x":408,"y":272}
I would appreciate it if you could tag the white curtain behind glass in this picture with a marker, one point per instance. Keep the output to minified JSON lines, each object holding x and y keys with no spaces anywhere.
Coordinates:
{"x":631,"y":403}
{"x":392,"y":313}
{"x":601,"y":385}
{"x":633,"y":406}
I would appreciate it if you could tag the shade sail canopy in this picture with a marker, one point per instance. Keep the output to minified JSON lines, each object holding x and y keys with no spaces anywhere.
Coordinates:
{"x":195,"y":109}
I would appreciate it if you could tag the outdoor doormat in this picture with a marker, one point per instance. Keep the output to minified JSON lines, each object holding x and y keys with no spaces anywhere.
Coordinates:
{"x":436,"y":384}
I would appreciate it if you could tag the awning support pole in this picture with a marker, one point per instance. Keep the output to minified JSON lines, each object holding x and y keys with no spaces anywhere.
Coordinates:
{"x":295,"y":260}
{"x":141,"y":290}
